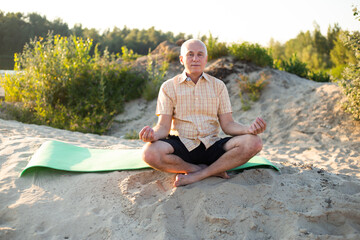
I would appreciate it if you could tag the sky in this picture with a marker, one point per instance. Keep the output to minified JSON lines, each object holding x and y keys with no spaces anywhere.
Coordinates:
{"x":254,"y":21}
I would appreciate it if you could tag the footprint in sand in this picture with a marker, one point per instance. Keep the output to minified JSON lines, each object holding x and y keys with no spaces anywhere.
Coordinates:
{"x":145,"y":185}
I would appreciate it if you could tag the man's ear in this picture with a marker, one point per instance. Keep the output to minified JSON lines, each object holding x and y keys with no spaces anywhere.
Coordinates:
{"x":181,"y":60}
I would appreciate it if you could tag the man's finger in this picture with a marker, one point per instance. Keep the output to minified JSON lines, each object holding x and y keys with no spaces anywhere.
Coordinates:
{"x":148,"y":133}
{"x":141,"y":133}
{"x":263,"y":122}
{"x":143,"y":130}
{"x":151,"y":136}
{"x":252,"y":129}
{"x":144,"y":133}
{"x":260,"y":123}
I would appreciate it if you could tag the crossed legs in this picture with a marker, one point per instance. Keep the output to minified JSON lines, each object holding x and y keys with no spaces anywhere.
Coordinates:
{"x":239,"y":150}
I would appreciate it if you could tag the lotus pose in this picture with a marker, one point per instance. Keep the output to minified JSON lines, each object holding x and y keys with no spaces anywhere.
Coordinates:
{"x":191,"y":108}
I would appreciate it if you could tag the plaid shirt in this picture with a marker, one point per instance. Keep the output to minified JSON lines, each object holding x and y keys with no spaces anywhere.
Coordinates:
{"x":194,"y":108}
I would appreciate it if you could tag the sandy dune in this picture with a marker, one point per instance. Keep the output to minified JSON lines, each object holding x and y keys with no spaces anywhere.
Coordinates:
{"x":316,"y":196}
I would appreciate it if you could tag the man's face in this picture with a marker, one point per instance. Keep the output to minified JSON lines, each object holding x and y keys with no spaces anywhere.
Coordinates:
{"x":195,"y":59}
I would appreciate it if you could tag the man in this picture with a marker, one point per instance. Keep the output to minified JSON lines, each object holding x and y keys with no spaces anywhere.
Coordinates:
{"x":193,"y":105}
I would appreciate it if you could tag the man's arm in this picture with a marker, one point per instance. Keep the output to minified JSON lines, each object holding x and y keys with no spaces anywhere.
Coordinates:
{"x":161,"y":130}
{"x":232,"y":128}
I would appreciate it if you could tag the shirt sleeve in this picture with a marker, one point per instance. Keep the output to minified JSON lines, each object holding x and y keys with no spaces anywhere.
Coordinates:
{"x":224,"y":100}
{"x":165,"y":103}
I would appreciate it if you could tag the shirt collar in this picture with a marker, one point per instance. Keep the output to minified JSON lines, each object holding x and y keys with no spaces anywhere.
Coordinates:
{"x":184,"y":77}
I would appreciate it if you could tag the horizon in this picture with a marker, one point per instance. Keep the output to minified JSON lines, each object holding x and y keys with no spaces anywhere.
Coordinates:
{"x":258,"y":22}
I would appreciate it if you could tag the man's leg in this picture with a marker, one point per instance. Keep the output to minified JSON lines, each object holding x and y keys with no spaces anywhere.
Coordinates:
{"x":158,"y":155}
{"x":239,"y":150}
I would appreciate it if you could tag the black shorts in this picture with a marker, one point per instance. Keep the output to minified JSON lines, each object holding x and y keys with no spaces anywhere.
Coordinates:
{"x":199,"y":155}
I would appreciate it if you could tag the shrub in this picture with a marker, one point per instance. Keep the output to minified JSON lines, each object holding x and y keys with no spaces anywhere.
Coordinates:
{"x":350,"y":83}
{"x":215,"y":49}
{"x":128,"y":55}
{"x":65,"y":87}
{"x":17,"y":111}
{"x":132,"y":134}
{"x":172,"y":56}
{"x":320,"y":76}
{"x":337,"y":71}
{"x":250,"y":90}
{"x":293,"y":65}
{"x":155,"y":76}
{"x":251,"y":53}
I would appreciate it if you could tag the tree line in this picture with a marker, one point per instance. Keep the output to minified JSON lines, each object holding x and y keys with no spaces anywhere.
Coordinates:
{"x":17,"y":29}
{"x":320,"y":53}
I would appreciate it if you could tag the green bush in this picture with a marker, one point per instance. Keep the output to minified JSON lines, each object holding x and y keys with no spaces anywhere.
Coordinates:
{"x":155,"y":76}
{"x":65,"y":87}
{"x":128,"y":55}
{"x":250,"y":89}
{"x":10,"y":111}
{"x":350,"y":83}
{"x":337,"y":71}
{"x":320,"y":76}
{"x":215,"y":49}
{"x":251,"y":53}
{"x":293,"y":65}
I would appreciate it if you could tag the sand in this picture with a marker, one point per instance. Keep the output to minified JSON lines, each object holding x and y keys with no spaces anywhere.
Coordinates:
{"x":316,"y":195}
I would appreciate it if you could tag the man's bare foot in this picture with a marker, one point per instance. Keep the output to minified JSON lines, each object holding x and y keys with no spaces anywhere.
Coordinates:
{"x":222,"y":175}
{"x":185,"y":179}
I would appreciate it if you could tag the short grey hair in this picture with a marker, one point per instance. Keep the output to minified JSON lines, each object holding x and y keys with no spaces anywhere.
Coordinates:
{"x":183,"y":49}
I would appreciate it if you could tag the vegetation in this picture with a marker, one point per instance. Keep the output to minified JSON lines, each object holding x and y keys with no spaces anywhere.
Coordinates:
{"x":350,"y":83}
{"x":325,"y":56}
{"x":295,"y":66}
{"x":215,"y":49}
{"x":251,"y":53}
{"x":155,"y":76}
{"x":132,"y":134}
{"x":250,"y":89}
{"x":60,"y":84}
{"x":74,"y":79}
{"x":128,"y":55}
{"x":16,"y":29}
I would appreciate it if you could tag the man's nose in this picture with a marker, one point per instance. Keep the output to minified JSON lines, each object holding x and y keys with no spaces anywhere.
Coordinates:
{"x":195,"y":58}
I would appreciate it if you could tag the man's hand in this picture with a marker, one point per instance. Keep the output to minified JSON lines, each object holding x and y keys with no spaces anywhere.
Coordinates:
{"x":147,"y":134}
{"x":258,"y":126}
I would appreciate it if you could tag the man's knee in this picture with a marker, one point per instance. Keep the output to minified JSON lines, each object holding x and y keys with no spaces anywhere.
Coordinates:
{"x":252,"y":143}
{"x":153,"y":153}
{"x":257,"y":144}
{"x":149,"y":154}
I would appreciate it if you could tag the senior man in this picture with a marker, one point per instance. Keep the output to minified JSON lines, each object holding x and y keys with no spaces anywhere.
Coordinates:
{"x":190,"y":108}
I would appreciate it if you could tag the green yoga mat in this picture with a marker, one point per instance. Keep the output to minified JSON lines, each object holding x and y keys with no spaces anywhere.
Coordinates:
{"x":68,"y":157}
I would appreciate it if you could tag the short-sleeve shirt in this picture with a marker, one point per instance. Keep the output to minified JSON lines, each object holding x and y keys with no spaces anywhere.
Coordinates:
{"x":194,"y":108}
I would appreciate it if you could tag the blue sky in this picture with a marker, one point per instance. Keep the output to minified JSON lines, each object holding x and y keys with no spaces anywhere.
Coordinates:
{"x":255,"y":21}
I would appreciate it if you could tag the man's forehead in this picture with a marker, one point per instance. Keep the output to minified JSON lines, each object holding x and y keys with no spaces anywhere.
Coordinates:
{"x":195,"y":47}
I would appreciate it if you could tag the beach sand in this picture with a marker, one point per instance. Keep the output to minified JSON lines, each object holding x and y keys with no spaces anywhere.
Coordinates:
{"x":316,"y":195}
